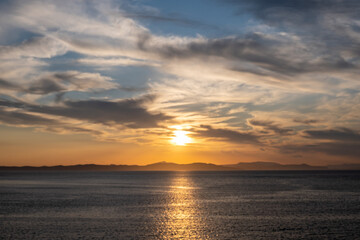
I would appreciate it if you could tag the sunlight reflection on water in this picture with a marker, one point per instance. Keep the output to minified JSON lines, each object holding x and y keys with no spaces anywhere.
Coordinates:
{"x":179,"y":205}
{"x":182,"y":217}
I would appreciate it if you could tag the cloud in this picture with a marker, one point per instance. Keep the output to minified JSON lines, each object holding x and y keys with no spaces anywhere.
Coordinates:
{"x":341,"y":134}
{"x":45,"y":86}
{"x":60,"y":128}
{"x":306,"y":121}
{"x":62,"y":81}
{"x":333,"y":142}
{"x":180,"y":20}
{"x":146,"y":12}
{"x":59,"y":97}
{"x":128,"y":112}
{"x":117,"y":61}
{"x":70,"y":81}
{"x":130,"y":43}
{"x":330,"y":148}
{"x":288,"y":49}
{"x":133,"y":89}
{"x":330,"y":26}
{"x":228,"y":135}
{"x":20,"y":118}
{"x":269,"y":125}
{"x":39,"y":47}
{"x":8,"y":85}
{"x":119,"y":35}
{"x":256,"y":53}
{"x":296,"y":12}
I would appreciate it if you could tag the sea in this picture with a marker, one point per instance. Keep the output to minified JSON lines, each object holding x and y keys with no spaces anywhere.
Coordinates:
{"x":180,"y":205}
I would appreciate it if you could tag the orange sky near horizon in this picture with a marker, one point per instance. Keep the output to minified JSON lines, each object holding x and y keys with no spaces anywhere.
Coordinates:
{"x":138,"y":82}
{"x":26,"y":147}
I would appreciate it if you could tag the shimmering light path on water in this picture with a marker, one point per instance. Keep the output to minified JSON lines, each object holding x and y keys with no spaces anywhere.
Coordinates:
{"x":179,"y":205}
{"x":182,"y":217}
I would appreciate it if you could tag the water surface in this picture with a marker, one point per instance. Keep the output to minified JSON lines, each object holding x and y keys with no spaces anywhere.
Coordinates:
{"x":180,"y":205}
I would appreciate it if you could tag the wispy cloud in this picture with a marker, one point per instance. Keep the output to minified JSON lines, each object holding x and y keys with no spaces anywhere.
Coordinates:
{"x":228,"y":135}
{"x":128,"y":112}
{"x":341,"y":134}
{"x":62,"y":81}
{"x":287,"y":81}
{"x":269,"y":125}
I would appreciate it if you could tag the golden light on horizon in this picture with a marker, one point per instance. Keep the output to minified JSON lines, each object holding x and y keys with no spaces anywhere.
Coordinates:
{"x":180,"y":138}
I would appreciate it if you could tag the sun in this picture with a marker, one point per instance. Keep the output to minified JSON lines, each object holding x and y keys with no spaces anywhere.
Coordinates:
{"x":180,"y":138}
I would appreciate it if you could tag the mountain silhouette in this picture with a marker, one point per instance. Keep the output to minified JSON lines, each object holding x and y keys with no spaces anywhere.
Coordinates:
{"x":169,"y":166}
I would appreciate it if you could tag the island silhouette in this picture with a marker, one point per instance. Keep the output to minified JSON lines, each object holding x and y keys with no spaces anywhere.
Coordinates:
{"x":198,"y":166}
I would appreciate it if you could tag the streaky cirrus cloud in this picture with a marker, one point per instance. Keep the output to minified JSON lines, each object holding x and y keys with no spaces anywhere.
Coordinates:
{"x":128,"y":112}
{"x":284,"y":78}
{"x":341,"y":149}
{"x":340,"y":134}
{"x":269,"y":125}
{"x":62,"y":81}
{"x":227,"y":135}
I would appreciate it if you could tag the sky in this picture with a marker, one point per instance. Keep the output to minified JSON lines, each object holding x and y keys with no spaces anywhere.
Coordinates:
{"x":143,"y":81}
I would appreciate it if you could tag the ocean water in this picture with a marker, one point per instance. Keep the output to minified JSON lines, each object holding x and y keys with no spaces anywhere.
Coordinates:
{"x":180,"y":205}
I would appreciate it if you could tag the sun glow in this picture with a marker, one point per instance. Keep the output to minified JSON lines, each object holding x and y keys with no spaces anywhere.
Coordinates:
{"x":180,"y":138}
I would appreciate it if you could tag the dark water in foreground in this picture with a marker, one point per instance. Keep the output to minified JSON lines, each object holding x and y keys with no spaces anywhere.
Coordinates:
{"x":180,"y":205}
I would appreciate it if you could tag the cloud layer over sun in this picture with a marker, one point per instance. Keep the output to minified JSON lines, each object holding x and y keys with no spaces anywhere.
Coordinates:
{"x":261,"y":80}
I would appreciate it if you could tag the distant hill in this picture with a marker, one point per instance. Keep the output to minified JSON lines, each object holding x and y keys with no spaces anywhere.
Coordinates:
{"x":274,"y":166}
{"x":160,"y":166}
{"x":168,"y":166}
